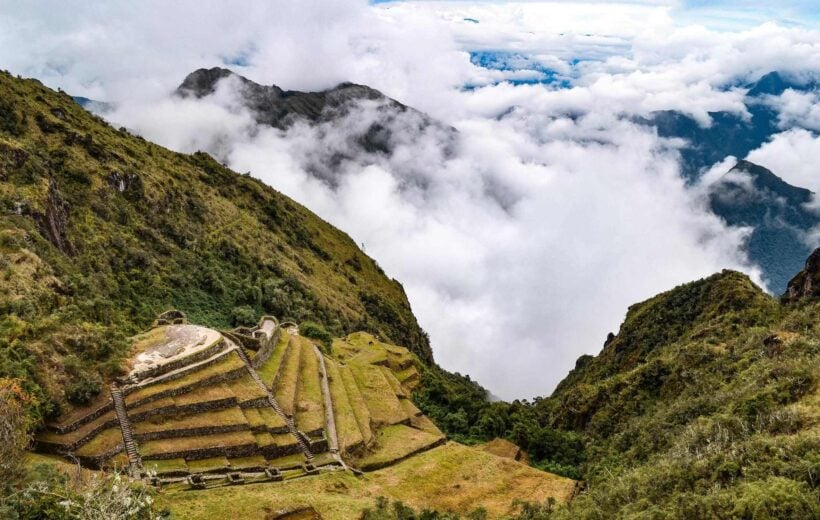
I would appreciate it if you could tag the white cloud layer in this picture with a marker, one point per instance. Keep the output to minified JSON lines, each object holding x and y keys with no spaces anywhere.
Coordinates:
{"x":522,"y":248}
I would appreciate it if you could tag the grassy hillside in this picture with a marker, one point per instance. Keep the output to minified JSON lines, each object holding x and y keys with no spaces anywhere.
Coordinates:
{"x":101,"y":230}
{"x":704,"y":405}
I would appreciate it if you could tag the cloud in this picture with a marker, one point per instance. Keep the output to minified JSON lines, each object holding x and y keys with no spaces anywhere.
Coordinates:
{"x":792,"y":155}
{"x":522,"y":242}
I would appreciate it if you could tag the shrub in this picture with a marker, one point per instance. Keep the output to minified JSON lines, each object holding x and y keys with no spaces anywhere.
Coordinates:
{"x":313,"y":330}
{"x":244,"y":315}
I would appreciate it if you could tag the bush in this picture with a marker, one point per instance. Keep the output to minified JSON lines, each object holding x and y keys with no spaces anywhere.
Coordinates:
{"x":83,"y":390}
{"x":313,"y":330}
{"x":244,"y":315}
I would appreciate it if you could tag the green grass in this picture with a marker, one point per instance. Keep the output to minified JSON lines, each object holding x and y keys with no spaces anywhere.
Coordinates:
{"x":253,"y":417}
{"x":285,"y":391}
{"x":270,"y":368}
{"x":166,"y":466}
{"x":272,"y":419}
{"x":245,"y":389}
{"x":383,"y":404}
{"x":206,"y":465}
{"x":228,"y":363}
{"x":347,"y":427}
{"x":288,"y":461}
{"x":409,"y":408}
{"x":394,"y":383}
{"x":79,"y":433}
{"x":204,"y":394}
{"x":103,"y":442}
{"x":357,"y":403}
{"x":264,"y":439}
{"x":310,"y":411}
{"x":156,"y":448}
{"x":394,"y":443}
{"x":448,"y":478}
{"x":239,"y":463}
{"x":224,"y":417}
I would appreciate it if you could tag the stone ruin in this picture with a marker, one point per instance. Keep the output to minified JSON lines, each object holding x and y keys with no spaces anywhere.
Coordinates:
{"x":203,"y":408}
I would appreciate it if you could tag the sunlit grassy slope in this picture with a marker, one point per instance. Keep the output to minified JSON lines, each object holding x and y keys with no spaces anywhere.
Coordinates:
{"x":451,"y":477}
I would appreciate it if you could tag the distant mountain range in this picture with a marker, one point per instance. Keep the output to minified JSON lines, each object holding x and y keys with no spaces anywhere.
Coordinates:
{"x":729,"y":133}
{"x":779,"y":214}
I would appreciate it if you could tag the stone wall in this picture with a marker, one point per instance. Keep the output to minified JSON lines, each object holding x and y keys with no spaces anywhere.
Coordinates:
{"x":189,"y":432}
{"x":201,"y":355}
{"x":85,"y":419}
{"x":218,"y":378}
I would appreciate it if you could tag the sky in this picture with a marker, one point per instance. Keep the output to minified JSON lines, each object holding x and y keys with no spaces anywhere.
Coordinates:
{"x":521,"y":243}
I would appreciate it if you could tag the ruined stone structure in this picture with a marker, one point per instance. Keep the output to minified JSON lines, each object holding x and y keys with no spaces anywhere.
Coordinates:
{"x":203,"y":407}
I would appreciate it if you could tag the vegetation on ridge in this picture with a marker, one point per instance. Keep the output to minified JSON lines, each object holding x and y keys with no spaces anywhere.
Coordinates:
{"x":101,"y":230}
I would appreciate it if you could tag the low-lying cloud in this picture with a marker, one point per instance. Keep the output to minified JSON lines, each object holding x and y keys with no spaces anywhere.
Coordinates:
{"x":522,"y":240}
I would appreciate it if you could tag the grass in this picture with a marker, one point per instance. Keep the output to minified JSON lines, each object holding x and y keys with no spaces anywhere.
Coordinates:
{"x":253,"y":418}
{"x":347,"y":427}
{"x":394,"y":443}
{"x":357,"y":403}
{"x":204,"y":394}
{"x":230,"y":362}
{"x":264,"y":439}
{"x":207,"y":465}
{"x":409,"y":408}
{"x":451,"y":477}
{"x":285,"y":391}
{"x":288,"y":461}
{"x":393,"y":382}
{"x":156,"y":448}
{"x":270,"y":368}
{"x":383,"y":404}
{"x":422,"y":422}
{"x":223,"y":417}
{"x":245,"y":389}
{"x":409,"y":377}
{"x":247,"y":462}
{"x":272,"y":419}
{"x":79,"y":433}
{"x":103,"y":442}
{"x":76,"y":413}
{"x":166,"y":465}
{"x":310,"y":411}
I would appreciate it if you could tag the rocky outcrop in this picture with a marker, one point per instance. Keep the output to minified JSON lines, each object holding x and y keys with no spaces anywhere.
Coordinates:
{"x":807,"y":282}
{"x":53,"y":222}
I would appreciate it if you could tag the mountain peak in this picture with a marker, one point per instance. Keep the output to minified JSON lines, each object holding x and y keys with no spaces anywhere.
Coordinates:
{"x":806,"y":283}
{"x":764,"y":179}
{"x":273,"y":106}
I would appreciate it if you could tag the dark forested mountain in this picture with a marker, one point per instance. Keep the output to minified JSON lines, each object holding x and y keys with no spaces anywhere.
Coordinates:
{"x":729,"y":133}
{"x":778,"y":213}
{"x":354,"y":122}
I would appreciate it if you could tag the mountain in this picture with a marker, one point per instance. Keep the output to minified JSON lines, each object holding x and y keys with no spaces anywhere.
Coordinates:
{"x":101,"y":230}
{"x":357,"y":123}
{"x":704,"y":405}
{"x":729,"y":133}
{"x":749,"y":195}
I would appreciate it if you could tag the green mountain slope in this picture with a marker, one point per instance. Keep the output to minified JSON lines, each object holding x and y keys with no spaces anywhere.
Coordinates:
{"x":704,"y":405}
{"x":101,"y":230}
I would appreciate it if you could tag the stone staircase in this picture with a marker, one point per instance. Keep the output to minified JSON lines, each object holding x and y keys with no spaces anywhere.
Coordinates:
{"x":134,"y":460}
{"x":301,"y":438}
